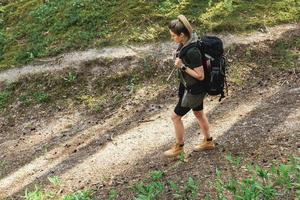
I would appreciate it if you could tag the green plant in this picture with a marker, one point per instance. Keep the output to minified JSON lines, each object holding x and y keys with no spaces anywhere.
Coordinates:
{"x":152,"y":190}
{"x":231,"y":185}
{"x":4,"y":96}
{"x":228,"y":5}
{"x":118,"y":98}
{"x":112,"y":194}
{"x":41,"y":97}
{"x":37,"y":194}
{"x":132,"y":83}
{"x":206,"y":197}
{"x":260,"y":172}
{"x":3,"y":40}
{"x":178,"y":194}
{"x":219,"y":186}
{"x":70,"y":77}
{"x":24,"y":99}
{"x":80,"y":195}
{"x":182,"y":157}
{"x":54,"y":180}
{"x":261,"y":184}
{"x":156,"y":175}
{"x":166,"y":6}
{"x":283,"y":176}
{"x":98,"y":108}
{"x":235,"y":161}
{"x":191,"y":189}
{"x":148,"y":191}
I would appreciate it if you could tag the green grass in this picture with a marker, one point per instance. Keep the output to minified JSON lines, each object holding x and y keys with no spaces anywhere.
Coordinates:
{"x":285,"y":53}
{"x":32,"y":29}
{"x":282,"y":55}
{"x":113,"y":194}
{"x":40,"y":194}
{"x":289,"y":51}
{"x":4,"y":96}
{"x":41,"y":97}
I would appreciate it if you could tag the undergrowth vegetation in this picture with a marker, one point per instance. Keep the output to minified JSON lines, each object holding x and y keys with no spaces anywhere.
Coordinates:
{"x":279,"y":180}
{"x":282,"y":55}
{"x":33,"y":28}
{"x":75,"y":89}
{"x":72,"y":88}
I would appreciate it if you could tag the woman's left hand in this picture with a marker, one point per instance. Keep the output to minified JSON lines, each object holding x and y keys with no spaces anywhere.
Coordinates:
{"x":178,"y":63}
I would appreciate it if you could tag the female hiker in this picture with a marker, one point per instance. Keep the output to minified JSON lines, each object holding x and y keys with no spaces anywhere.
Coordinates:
{"x":191,"y":88}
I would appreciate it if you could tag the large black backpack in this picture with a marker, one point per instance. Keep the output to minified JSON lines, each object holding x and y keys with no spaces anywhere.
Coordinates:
{"x":213,"y":60}
{"x":212,"y":51}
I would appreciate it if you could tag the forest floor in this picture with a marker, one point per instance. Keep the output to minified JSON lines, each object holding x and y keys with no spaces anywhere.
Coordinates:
{"x":258,"y":121}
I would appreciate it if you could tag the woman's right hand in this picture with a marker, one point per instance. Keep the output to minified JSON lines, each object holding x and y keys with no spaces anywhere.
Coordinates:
{"x":178,"y":63}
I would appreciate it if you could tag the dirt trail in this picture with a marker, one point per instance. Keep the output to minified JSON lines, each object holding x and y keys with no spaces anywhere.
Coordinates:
{"x":94,"y":155}
{"x":78,"y":59}
{"x":121,"y":154}
{"x":126,"y":150}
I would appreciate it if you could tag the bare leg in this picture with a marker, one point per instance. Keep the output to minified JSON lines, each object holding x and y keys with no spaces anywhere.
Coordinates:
{"x":179,"y":128}
{"x":203,"y":123}
{"x":177,"y":148}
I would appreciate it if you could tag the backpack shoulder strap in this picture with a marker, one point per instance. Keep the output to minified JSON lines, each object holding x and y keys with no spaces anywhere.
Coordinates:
{"x":185,"y":49}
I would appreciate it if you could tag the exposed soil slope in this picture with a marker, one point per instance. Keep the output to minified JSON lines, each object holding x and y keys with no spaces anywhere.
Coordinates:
{"x":259,"y":121}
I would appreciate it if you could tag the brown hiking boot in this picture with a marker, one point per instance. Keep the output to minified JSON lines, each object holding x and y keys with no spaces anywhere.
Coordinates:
{"x":207,"y":144}
{"x":175,"y":150}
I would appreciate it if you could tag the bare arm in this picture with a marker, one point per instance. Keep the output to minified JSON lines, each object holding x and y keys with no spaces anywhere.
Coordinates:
{"x":197,"y":73}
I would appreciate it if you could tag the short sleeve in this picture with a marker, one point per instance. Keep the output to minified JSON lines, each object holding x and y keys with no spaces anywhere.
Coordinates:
{"x":194,"y":58}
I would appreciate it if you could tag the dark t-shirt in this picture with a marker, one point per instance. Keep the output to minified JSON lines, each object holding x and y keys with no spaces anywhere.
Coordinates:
{"x":192,"y":58}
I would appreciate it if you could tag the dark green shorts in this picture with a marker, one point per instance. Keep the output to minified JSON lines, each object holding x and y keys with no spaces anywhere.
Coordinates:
{"x":181,"y":111}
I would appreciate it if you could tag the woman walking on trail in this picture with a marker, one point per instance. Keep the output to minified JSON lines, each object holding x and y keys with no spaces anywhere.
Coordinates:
{"x":191,"y":88}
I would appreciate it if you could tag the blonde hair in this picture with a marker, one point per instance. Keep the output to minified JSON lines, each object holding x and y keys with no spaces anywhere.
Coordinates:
{"x":181,"y":25}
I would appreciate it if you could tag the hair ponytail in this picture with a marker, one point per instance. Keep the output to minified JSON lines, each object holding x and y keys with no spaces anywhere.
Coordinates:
{"x":186,"y":23}
{"x":181,"y":25}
